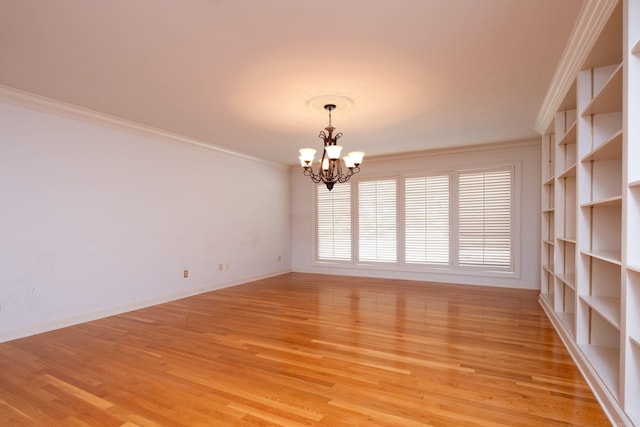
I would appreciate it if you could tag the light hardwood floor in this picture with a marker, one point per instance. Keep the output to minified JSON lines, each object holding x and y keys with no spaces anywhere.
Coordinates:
{"x":302,"y":349}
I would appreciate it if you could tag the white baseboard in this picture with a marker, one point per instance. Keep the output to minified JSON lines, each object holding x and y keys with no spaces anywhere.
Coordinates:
{"x":100,"y":314}
{"x":607,"y":401}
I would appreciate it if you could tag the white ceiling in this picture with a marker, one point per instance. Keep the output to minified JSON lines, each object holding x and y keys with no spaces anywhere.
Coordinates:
{"x":240,"y":73}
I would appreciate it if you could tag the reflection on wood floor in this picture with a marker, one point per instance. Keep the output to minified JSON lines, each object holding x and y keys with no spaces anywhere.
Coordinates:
{"x":303,"y":349}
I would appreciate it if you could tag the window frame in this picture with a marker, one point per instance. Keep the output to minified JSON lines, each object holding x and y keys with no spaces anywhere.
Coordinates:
{"x":453,"y":268}
{"x":316,"y":239}
{"x":514,"y":218}
{"x":422,"y":265}
{"x":355,"y":210}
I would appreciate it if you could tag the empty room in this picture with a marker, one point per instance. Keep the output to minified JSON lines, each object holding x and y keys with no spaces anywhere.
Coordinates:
{"x":297,"y":213}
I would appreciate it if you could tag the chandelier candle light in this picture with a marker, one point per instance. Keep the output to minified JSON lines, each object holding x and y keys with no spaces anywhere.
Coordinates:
{"x":330,"y":166}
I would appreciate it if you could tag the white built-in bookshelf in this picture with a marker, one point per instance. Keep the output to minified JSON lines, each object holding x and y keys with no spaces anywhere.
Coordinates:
{"x":590,"y":221}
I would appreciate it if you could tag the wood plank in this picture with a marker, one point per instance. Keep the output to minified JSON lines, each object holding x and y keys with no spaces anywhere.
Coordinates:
{"x":305,"y":349}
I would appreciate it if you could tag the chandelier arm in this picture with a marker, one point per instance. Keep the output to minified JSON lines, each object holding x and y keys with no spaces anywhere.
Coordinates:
{"x":314,"y":177}
{"x":344,"y":178}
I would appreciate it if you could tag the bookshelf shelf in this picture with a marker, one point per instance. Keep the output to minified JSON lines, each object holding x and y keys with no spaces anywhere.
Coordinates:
{"x":570,"y":135}
{"x":607,"y":307}
{"x":613,"y":257}
{"x":605,"y":361}
{"x":564,"y":239}
{"x":609,"y":99}
{"x":610,"y":201}
{"x":569,"y":172}
{"x":568,"y":279}
{"x":609,"y":150}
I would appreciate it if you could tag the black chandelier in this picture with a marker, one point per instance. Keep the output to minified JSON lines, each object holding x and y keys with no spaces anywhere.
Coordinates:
{"x":330,"y":166}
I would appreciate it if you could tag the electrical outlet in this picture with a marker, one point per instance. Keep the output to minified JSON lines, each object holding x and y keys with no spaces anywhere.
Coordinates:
{"x":220,"y":267}
{"x":186,"y":273}
{"x":279,"y":258}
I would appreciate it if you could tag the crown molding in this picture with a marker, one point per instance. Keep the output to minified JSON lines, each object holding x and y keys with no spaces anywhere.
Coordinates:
{"x":431,"y":153}
{"x":591,"y":20}
{"x":52,"y":106}
{"x":502,"y":146}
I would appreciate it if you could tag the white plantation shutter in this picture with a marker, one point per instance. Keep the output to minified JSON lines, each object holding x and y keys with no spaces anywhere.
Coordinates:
{"x":485,"y":218}
{"x":459,"y":220}
{"x":427,"y":220}
{"x":377,"y":235}
{"x":334,"y":223}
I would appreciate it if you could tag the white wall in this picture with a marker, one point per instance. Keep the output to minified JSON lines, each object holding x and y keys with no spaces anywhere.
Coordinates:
{"x":96,"y":219}
{"x":526,"y":153}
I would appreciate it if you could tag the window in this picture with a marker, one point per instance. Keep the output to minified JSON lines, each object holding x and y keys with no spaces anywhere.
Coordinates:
{"x":484,"y":225}
{"x":426,"y":213}
{"x":458,"y":221}
{"x":377,"y":235}
{"x":333,"y":233}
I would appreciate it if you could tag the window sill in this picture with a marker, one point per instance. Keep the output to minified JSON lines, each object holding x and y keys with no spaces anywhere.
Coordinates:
{"x":421,"y":269}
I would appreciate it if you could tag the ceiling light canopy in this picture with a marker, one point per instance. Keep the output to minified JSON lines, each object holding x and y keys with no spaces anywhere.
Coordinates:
{"x":330,"y":167}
